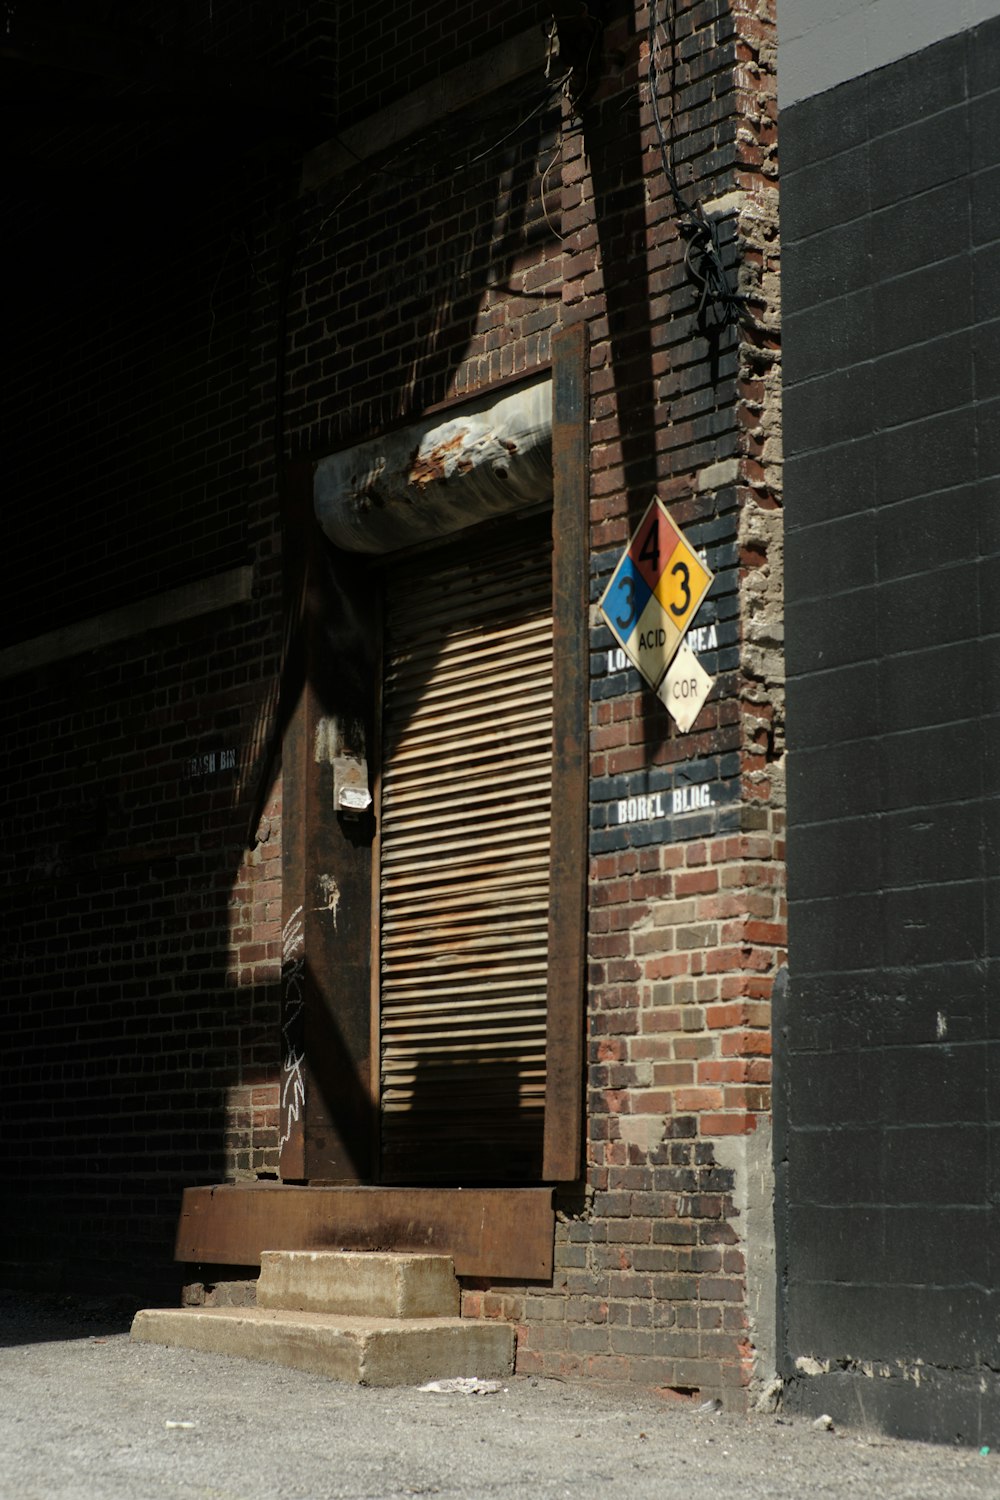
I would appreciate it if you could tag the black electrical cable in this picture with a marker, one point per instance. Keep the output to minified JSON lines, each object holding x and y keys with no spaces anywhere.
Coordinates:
{"x":719,"y":306}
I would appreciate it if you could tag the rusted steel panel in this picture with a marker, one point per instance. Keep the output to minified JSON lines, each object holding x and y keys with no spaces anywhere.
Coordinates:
{"x":568,"y":893}
{"x":503,"y":1233}
{"x":296,"y":496}
{"x":326,"y":1103}
{"x":337,"y":869}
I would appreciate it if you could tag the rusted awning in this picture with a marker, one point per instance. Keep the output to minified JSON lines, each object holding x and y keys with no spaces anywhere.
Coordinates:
{"x":488,"y":458}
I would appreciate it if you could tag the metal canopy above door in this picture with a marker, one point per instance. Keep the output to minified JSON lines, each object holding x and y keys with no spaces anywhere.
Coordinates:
{"x":485,"y":459}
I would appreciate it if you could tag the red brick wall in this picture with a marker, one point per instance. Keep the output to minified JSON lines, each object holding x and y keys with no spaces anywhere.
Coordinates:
{"x":435,"y":271}
{"x":686,"y":914}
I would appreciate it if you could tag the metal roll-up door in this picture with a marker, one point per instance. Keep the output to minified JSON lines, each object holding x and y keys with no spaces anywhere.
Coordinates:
{"x":464,"y":859}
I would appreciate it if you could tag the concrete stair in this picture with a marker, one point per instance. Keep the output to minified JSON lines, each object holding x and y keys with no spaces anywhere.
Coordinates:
{"x":368,"y":1317}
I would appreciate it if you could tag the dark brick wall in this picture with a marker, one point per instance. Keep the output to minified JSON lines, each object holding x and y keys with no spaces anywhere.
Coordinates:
{"x":132,"y":239}
{"x":147,"y":447}
{"x":889,"y":282}
{"x":138,"y":1026}
{"x":429,"y":275}
{"x":141,"y":898}
{"x":388,"y":51}
{"x":265,"y":325}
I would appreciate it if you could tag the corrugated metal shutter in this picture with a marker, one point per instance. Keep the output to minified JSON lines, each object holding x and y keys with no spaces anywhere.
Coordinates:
{"x":464,"y":859}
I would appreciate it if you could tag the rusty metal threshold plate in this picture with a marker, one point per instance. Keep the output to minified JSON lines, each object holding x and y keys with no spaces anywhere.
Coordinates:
{"x":501,"y":1233}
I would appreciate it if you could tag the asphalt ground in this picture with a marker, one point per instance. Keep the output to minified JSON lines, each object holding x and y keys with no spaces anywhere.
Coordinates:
{"x":87,"y":1415}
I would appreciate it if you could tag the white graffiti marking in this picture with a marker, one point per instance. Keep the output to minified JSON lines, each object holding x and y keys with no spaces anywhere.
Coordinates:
{"x":293,"y":1083}
{"x":331,"y":897}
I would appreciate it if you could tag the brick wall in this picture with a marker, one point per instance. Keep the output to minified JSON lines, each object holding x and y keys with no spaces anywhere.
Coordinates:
{"x":387,"y":52}
{"x":687,"y":918}
{"x":432,"y":272}
{"x":127,"y":402}
{"x":137,"y":941}
{"x":141,"y":908}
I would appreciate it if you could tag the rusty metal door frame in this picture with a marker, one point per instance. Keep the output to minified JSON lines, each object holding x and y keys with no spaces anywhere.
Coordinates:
{"x":566,"y":1012}
{"x":328,"y":1129}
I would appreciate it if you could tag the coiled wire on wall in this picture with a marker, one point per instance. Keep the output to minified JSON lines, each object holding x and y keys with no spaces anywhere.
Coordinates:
{"x":719,"y":306}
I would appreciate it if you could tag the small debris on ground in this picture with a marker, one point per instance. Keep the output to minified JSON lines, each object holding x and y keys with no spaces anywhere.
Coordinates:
{"x":824,"y":1423}
{"x":180,"y":1426}
{"x":463,"y":1385}
{"x":712,"y":1405}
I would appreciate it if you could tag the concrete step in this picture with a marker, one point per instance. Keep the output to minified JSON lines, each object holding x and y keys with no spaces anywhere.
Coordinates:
{"x":361,"y":1350}
{"x":375,"y":1284}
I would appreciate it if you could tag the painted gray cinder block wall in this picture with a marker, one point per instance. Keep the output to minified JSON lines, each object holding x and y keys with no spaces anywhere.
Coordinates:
{"x":888,"y":1050}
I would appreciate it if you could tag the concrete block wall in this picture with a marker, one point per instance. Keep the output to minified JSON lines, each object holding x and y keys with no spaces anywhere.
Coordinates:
{"x":888,"y":1053}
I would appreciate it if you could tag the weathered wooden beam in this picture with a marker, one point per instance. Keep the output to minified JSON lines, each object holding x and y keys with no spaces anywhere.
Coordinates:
{"x":502,"y":1233}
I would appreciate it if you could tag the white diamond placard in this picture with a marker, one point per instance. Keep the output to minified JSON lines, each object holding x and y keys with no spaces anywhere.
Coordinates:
{"x":685,"y":687}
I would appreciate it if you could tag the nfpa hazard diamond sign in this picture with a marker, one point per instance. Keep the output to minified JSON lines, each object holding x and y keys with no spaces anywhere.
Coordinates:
{"x":654,"y":594}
